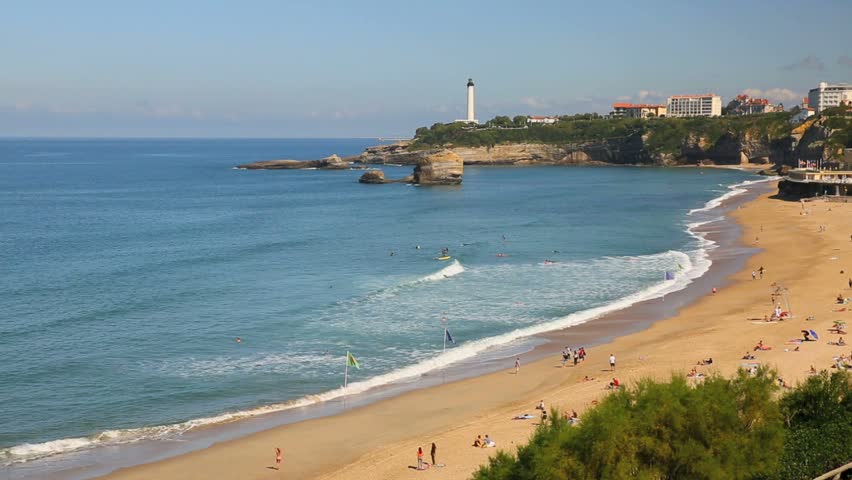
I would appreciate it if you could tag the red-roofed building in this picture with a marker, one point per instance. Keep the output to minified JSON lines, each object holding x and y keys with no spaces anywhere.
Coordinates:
{"x":745,"y":105}
{"x":637,"y":110}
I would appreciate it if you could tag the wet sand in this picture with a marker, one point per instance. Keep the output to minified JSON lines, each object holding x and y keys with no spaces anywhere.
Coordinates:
{"x":380,"y":440}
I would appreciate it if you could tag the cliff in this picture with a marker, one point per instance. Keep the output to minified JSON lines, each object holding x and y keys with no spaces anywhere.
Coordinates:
{"x":758,"y":140}
{"x":440,"y":168}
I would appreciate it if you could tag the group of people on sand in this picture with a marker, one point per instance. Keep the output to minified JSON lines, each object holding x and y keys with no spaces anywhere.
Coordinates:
{"x":578,"y":355}
{"x":484,"y":442}
{"x":421,"y":465}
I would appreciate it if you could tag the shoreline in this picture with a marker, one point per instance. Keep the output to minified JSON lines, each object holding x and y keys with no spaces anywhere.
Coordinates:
{"x":595,"y":332}
{"x":378,"y":440}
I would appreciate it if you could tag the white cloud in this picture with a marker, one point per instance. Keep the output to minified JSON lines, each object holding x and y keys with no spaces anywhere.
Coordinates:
{"x":777,"y":95}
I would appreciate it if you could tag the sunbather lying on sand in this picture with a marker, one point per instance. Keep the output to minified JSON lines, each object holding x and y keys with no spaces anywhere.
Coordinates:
{"x":748,"y":356}
{"x":525,"y":416}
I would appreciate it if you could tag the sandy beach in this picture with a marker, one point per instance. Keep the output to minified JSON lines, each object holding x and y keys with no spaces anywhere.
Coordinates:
{"x":379,"y":441}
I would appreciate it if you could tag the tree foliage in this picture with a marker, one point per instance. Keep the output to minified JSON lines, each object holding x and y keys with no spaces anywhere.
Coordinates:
{"x":663,"y":135}
{"x":719,"y":429}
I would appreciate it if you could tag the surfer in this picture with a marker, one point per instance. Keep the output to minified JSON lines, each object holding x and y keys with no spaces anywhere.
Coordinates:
{"x":445,"y":251}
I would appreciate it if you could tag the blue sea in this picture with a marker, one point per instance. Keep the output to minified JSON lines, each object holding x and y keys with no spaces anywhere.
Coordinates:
{"x":129,"y":268}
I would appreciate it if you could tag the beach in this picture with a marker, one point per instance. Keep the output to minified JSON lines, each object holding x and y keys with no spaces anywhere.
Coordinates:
{"x":380,"y":440}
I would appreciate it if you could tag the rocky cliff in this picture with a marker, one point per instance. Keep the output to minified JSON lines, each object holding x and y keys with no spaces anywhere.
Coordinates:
{"x":440,"y":168}
{"x":730,"y":149}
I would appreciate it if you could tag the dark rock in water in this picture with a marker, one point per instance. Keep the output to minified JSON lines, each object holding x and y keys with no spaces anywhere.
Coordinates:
{"x":441,"y":168}
{"x":332,"y":162}
{"x":372,"y":176}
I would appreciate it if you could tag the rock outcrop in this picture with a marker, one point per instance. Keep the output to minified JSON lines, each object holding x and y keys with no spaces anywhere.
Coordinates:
{"x":440,"y":168}
{"x":332,"y":162}
{"x":637,"y":149}
{"x":373,"y":176}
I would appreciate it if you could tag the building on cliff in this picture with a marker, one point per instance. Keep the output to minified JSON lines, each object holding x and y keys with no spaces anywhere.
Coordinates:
{"x":829,"y":95}
{"x":805,"y":112}
{"x":637,"y":110}
{"x":745,"y":105}
{"x":540,"y":120}
{"x":703,"y":105}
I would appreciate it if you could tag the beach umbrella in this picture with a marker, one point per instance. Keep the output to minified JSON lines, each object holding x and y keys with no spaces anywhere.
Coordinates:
{"x":814,"y":334}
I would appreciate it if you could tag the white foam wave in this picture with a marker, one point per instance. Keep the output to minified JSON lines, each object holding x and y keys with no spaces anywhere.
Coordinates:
{"x":450,"y":270}
{"x":735,"y":189}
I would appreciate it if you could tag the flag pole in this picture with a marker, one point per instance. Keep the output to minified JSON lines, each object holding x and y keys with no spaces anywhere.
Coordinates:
{"x":346,"y":371}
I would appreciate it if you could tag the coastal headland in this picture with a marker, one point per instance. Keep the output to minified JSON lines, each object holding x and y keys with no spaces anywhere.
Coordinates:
{"x":767,"y":141}
{"x":378,"y":441}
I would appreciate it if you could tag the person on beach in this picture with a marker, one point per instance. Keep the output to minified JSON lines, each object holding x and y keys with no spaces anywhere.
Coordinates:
{"x":517,"y":365}
{"x":419,"y":458}
{"x":540,"y":405}
{"x":478,"y":441}
{"x":583,"y":353}
{"x":576,"y":357}
{"x":753,"y":275}
{"x":760,"y":272}
{"x":565,"y":356}
{"x":714,"y":290}
{"x":614,"y":384}
{"x":612,"y":361}
{"x":277,"y":458}
{"x":433,"y":452}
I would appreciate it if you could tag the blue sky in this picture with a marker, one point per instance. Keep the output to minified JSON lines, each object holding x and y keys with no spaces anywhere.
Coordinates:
{"x":372,"y":68}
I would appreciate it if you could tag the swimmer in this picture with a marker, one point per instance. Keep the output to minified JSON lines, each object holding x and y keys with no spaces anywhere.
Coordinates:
{"x":239,"y":340}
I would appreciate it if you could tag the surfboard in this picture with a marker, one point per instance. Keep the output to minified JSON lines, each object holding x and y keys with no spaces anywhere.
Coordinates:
{"x":445,"y":257}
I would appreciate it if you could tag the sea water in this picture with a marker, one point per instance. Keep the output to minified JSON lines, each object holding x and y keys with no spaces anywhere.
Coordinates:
{"x":129,"y":268}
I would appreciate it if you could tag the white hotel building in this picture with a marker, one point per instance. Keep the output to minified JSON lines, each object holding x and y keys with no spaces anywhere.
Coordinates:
{"x":707,"y":105}
{"x":827,"y":95}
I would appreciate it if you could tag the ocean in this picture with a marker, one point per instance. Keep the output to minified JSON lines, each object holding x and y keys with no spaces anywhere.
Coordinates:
{"x":131,"y":267}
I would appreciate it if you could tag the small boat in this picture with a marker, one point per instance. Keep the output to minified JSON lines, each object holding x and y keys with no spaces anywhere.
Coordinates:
{"x":444,"y":257}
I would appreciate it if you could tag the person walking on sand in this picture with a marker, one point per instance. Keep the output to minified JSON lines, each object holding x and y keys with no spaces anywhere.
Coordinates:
{"x":433,"y":452}
{"x":419,"y":458}
{"x":612,"y":361}
{"x":277,"y":458}
{"x":760,"y":272}
{"x":753,"y":275}
{"x":517,"y":365}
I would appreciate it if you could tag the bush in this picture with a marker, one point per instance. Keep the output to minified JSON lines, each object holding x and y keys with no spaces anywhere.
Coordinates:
{"x":721,"y":428}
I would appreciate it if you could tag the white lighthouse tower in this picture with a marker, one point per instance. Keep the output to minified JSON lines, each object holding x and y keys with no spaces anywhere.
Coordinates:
{"x":471,"y":115}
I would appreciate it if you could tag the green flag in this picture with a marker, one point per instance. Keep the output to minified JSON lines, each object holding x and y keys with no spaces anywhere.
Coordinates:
{"x":352,"y":361}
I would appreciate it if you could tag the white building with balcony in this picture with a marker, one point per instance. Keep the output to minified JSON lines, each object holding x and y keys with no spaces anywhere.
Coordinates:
{"x":828,"y":95}
{"x":705,"y":105}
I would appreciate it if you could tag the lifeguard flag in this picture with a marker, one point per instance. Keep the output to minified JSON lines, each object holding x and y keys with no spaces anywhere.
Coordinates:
{"x":352,"y":361}
{"x":449,"y":337}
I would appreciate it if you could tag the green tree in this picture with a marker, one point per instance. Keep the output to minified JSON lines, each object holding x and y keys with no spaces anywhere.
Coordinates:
{"x":721,"y":428}
{"x":519,"y":120}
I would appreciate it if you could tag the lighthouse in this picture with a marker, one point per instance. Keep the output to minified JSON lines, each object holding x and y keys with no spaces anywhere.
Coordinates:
{"x":471,"y":116}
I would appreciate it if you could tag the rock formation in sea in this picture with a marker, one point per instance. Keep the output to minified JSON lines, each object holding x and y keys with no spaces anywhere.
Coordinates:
{"x":332,"y":162}
{"x":373,"y":176}
{"x":440,"y":168}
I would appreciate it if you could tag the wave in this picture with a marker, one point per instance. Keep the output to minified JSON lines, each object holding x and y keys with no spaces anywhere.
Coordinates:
{"x":450,"y":270}
{"x":689,"y":266}
{"x":735,"y":189}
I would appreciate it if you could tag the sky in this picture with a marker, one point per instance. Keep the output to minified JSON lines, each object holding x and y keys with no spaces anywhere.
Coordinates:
{"x":323,"y":68}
